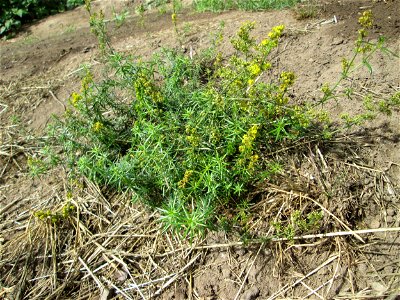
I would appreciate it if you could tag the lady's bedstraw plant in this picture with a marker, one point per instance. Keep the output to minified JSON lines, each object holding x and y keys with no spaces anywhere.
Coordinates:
{"x":363,"y":51}
{"x":54,"y":218}
{"x":98,"y":27}
{"x":184,"y":135}
{"x":187,"y":135}
{"x":297,"y":224}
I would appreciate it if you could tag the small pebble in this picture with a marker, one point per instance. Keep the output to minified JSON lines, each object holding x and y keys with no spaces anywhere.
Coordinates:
{"x":337,"y":41}
{"x":388,"y":270}
{"x":362,"y":268}
{"x":226,"y":272}
{"x":254,"y":272}
{"x":390,"y":212}
{"x":251,"y":293}
{"x":380,"y":288}
{"x":375,"y":224}
{"x":367,"y":181}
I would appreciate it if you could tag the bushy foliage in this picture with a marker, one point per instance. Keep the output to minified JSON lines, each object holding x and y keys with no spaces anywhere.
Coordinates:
{"x":221,"y":5}
{"x":187,"y":135}
{"x":14,"y":13}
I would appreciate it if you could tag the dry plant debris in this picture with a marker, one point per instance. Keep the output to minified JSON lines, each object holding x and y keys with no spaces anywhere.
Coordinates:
{"x":105,"y":247}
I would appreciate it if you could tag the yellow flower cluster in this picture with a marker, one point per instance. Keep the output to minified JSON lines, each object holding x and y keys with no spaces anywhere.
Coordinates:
{"x":244,"y":41}
{"x":88,"y":5}
{"x":248,"y":139}
{"x":250,"y":82}
{"x":253,"y":160}
{"x":366,"y":20}
{"x":182,"y":183}
{"x":345,"y":65}
{"x":273,"y":36}
{"x":286,"y":79}
{"x":67,"y":210}
{"x":245,"y":29}
{"x":47,"y":215}
{"x":326,"y":90}
{"x":144,"y":87}
{"x":246,"y":150}
{"x":191,"y":136}
{"x":218,"y":60}
{"x":216,"y":97}
{"x":86,"y":81}
{"x":301,"y":116}
{"x":75,"y":98}
{"x":276,"y":32}
{"x":254,"y":69}
{"x":54,"y":217}
{"x":361,"y":46}
{"x":97,"y":126}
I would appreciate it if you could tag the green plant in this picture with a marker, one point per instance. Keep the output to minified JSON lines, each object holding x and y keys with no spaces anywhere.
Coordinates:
{"x":14,"y":13}
{"x":70,"y":28}
{"x":139,"y":10}
{"x":162,"y":9}
{"x":55,"y":218}
{"x":363,"y":51}
{"x":177,"y":6}
{"x":182,"y":134}
{"x":307,"y":9}
{"x":297,"y":224}
{"x":98,"y":28}
{"x":221,"y":5}
{"x":74,"y":3}
{"x":36,"y":166}
{"x":189,"y":136}
{"x":44,"y":160}
{"x":15,"y":119}
{"x":187,"y":28}
{"x":119,"y":17}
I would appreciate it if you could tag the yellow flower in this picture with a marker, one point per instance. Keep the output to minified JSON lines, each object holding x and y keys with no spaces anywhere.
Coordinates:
{"x":287,"y":78}
{"x":366,"y":19}
{"x":75,"y":98}
{"x":248,"y":139}
{"x":266,"y":66}
{"x":97,"y":126}
{"x":254,"y":69}
{"x":326,"y":90}
{"x":182,"y":183}
{"x":345,"y":65}
{"x":253,"y":160}
{"x":86,"y":81}
{"x":173,"y":17}
{"x":265,"y":42}
{"x":276,"y":32}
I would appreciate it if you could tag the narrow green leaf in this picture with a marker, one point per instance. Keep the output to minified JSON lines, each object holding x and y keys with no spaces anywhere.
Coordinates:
{"x":368,"y":65}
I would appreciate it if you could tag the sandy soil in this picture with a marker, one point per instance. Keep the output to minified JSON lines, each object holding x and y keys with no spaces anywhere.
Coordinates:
{"x":41,"y":67}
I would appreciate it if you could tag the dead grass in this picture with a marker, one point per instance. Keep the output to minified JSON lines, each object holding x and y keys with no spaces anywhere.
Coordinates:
{"x":110,"y":247}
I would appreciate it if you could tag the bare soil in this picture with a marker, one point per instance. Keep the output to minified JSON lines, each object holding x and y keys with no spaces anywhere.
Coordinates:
{"x":42,"y":66}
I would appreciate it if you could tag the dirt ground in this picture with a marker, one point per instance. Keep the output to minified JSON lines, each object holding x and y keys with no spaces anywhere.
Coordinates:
{"x":42,"y":66}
